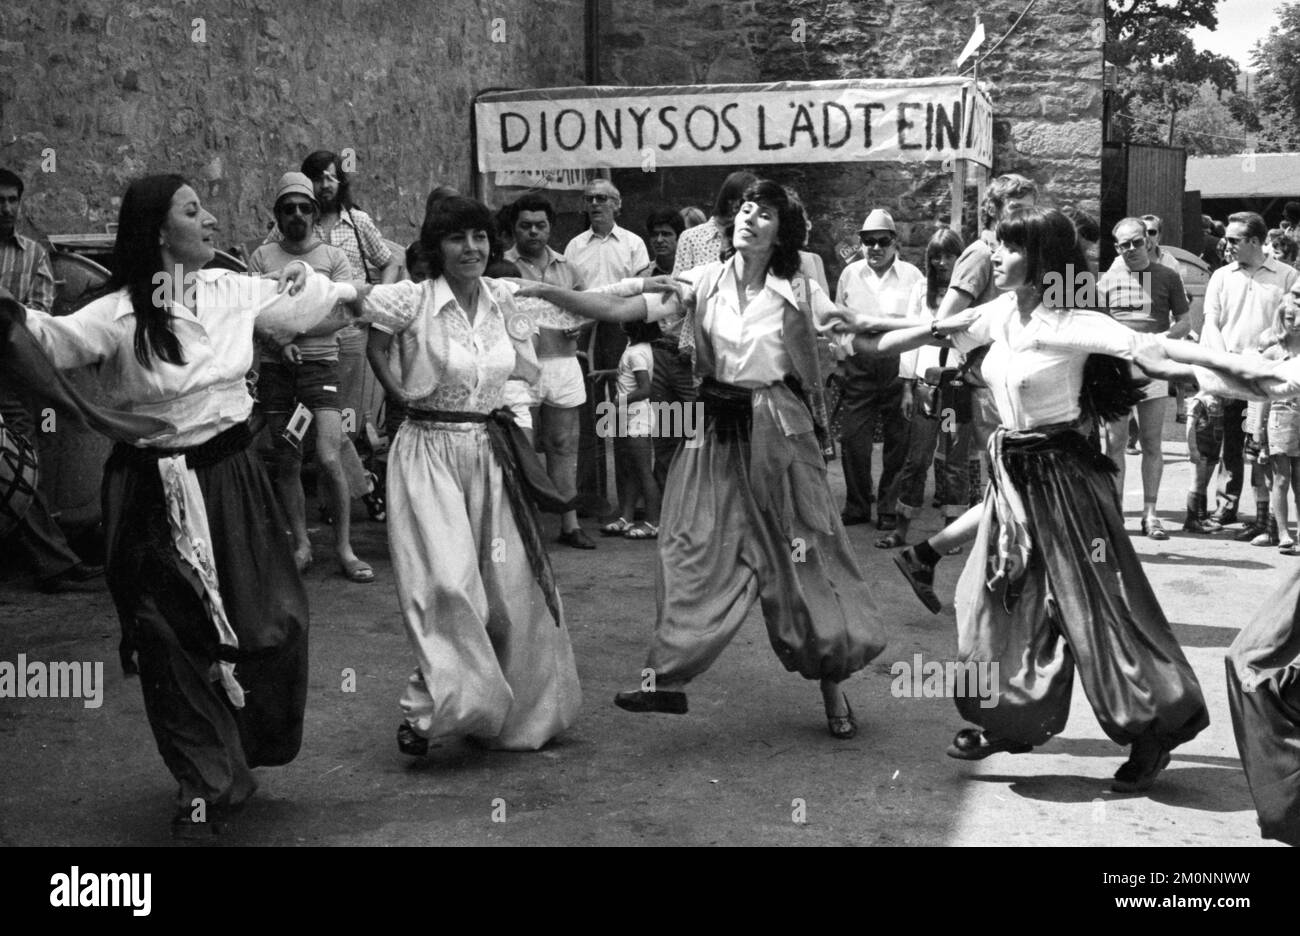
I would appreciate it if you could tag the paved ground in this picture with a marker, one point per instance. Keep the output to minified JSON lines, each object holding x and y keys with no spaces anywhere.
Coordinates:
{"x":750,"y":759}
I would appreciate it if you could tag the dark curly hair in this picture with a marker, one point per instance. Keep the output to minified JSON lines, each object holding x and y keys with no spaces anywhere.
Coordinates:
{"x":314,"y":166}
{"x":791,"y":227}
{"x":449,"y":216}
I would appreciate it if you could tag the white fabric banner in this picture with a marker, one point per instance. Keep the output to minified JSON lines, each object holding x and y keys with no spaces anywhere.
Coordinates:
{"x":926,"y":119}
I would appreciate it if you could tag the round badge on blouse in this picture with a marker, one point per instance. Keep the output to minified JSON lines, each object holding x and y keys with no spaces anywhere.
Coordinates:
{"x":519,"y":326}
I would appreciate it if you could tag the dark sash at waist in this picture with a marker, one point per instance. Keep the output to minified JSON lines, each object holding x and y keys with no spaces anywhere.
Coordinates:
{"x":526,"y":484}
{"x":218,"y":448}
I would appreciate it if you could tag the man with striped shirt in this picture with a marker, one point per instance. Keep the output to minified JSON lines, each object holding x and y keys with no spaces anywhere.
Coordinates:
{"x":26,"y":273}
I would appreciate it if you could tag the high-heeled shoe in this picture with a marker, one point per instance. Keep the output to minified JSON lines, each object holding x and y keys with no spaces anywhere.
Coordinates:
{"x":410,"y":743}
{"x":841,"y":727}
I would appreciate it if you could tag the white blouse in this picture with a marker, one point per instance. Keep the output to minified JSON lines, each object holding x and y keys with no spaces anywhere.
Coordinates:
{"x":449,"y":363}
{"x":207,"y":394}
{"x":1035,"y":370}
{"x":749,"y":345}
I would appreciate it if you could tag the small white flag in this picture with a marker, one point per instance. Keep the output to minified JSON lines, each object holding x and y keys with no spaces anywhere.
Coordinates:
{"x":973,"y":43}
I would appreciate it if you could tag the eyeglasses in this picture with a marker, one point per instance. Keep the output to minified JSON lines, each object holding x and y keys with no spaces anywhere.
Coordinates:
{"x":296,"y":208}
{"x":599,"y":199}
{"x":329,"y":177}
{"x":1132,"y":244}
{"x":875,"y":241}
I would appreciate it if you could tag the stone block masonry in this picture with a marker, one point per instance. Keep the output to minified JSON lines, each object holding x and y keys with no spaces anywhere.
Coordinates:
{"x":231,"y":93}
{"x":1044,"y":81}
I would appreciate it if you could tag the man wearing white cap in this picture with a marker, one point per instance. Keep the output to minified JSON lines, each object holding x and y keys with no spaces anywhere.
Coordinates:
{"x":306,"y":371}
{"x":878,"y":284}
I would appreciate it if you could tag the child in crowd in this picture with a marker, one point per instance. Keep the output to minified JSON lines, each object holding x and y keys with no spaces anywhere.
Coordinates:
{"x":1279,"y":429}
{"x":635,"y":433}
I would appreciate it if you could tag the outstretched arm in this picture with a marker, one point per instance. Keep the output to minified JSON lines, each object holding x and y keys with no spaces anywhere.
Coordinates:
{"x":599,"y":306}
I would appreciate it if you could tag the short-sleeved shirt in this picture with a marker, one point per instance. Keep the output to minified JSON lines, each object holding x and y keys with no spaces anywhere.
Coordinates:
{"x":449,"y":362}
{"x":357,"y":236}
{"x":1035,"y":371}
{"x":1242,"y":304}
{"x":330,"y":261}
{"x":972,"y":274}
{"x":637,"y":357}
{"x":861,"y":289}
{"x":1148,"y":301}
{"x":604,"y":260}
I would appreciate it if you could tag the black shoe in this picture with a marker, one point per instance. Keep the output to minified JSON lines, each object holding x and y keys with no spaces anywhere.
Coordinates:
{"x":1139,"y":772}
{"x":575,"y":538}
{"x":376,"y":506}
{"x":1224,"y":515}
{"x":853,"y":519}
{"x":973,"y":744}
{"x":920,"y":576}
{"x":664,"y":700}
{"x":1252,"y":530}
{"x":410,"y":743}
{"x":80,"y":578}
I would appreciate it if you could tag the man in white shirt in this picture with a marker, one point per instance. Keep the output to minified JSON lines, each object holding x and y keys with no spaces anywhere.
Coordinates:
{"x":603,"y":254}
{"x":878,"y":284}
{"x":1241,"y":301}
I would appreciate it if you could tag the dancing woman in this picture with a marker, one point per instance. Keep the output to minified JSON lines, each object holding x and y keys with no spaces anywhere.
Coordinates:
{"x":475,"y":588}
{"x":200,"y":565}
{"x":1052,"y":582}
{"x":747,"y":514}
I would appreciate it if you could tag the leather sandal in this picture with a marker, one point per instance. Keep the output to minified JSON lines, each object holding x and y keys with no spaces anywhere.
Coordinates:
{"x":842,"y":727}
{"x":973,"y":744}
{"x":1154,"y":529}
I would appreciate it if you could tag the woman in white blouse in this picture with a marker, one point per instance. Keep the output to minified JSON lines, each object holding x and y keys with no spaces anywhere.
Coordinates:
{"x":200,"y":563}
{"x":477,"y":596}
{"x":747,"y":514}
{"x":1052,"y":582}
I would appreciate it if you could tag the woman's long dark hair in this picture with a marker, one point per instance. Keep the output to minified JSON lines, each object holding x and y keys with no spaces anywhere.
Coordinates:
{"x":943,"y":242}
{"x":137,"y":258}
{"x":791,"y":231}
{"x":1053,"y":258}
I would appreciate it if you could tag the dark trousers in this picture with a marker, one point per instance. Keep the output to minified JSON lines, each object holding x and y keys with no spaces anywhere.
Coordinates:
{"x":672,"y":382}
{"x":865,"y":406}
{"x":1231,"y":471}
{"x":38,"y":537}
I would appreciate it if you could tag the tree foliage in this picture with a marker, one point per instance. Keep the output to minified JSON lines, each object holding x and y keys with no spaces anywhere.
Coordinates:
{"x":1161,"y":74}
{"x":1276,"y":60}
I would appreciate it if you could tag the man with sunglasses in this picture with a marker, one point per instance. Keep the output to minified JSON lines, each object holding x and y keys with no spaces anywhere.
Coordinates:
{"x":1241,"y":303}
{"x":1149,"y":298}
{"x":878,"y":284}
{"x":306,"y":371}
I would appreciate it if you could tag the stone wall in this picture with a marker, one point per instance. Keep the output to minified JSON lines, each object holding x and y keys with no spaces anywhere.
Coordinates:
{"x":231,"y":93}
{"x":1044,"y":81}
